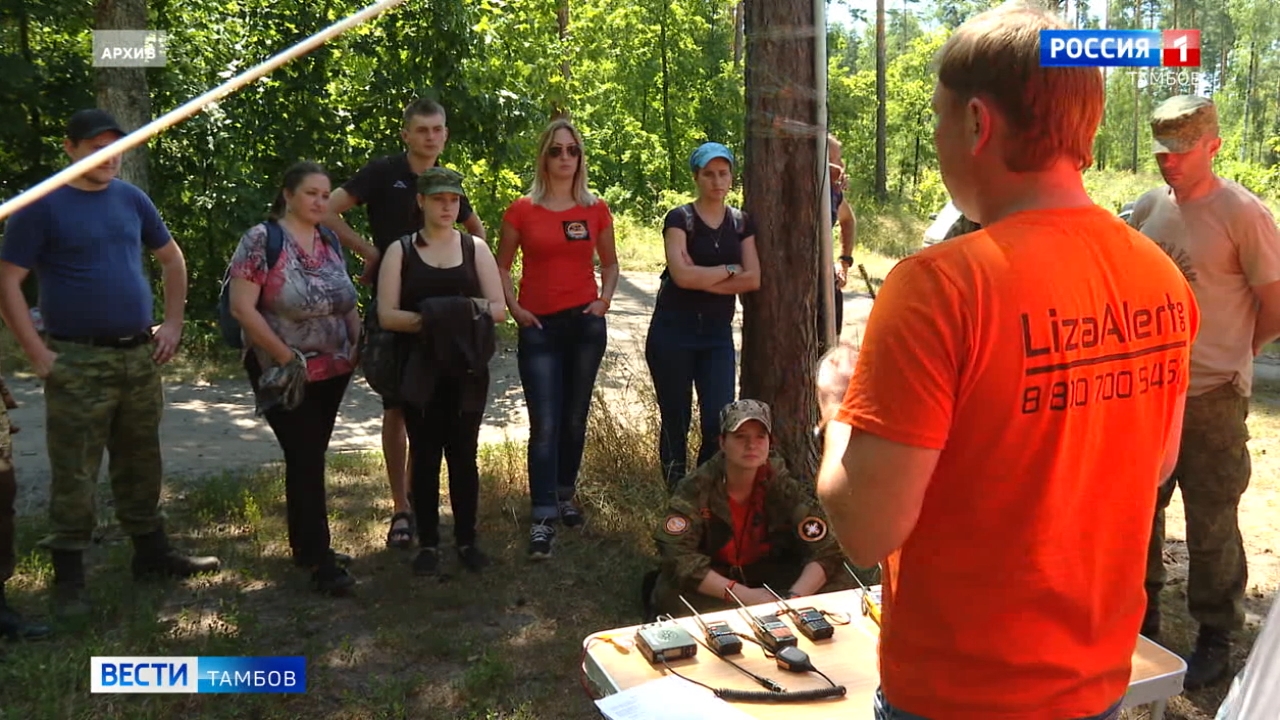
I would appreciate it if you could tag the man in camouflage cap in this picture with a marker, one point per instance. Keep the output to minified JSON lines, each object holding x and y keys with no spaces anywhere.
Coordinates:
{"x":738,"y":522}
{"x":1225,"y":241}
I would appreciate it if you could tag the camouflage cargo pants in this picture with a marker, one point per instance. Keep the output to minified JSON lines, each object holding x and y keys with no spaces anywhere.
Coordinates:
{"x":102,"y":398}
{"x":1213,"y":471}
{"x":8,"y":496}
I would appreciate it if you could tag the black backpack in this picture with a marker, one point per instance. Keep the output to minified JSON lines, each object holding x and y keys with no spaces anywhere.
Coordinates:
{"x":227,"y":324}
{"x":736,"y":216}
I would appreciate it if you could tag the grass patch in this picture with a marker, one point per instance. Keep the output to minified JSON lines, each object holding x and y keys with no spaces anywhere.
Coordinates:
{"x":503,"y":644}
{"x":640,"y":245}
{"x":892,"y":231}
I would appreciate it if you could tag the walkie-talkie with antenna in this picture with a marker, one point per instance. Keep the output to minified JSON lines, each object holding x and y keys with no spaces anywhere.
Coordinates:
{"x":869,"y":606}
{"x":809,"y":621}
{"x":720,"y":637}
{"x":772,"y":633}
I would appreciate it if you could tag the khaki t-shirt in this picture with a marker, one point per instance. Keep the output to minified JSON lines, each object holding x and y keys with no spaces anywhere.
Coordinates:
{"x":1226,"y":244}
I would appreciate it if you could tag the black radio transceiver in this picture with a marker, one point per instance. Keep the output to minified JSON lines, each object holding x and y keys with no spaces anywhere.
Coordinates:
{"x":768,"y":629}
{"x":811,"y":623}
{"x":660,"y":642}
{"x":720,"y":637}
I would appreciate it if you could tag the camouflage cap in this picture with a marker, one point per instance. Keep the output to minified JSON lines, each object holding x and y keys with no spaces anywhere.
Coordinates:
{"x":733,"y":415}
{"x":1179,"y":122}
{"x":437,"y":179}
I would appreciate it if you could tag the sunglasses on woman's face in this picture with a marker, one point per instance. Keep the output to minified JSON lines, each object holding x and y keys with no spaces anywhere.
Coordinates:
{"x":556,"y":151}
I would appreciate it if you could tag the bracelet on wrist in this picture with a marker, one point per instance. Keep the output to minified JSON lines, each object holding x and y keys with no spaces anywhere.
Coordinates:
{"x":732,"y":584}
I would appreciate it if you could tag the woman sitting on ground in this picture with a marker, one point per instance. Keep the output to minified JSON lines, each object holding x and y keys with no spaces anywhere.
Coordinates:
{"x":442,"y":287}
{"x":711,"y":258}
{"x":302,"y":330}
{"x":740,"y":522}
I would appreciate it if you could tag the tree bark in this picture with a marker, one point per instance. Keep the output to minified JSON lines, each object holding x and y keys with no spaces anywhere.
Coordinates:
{"x":882,"y":110}
{"x":558,"y":109}
{"x":738,"y":12}
{"x":123,"y":91}
{"x":780,"y":337}
{"x":562,"y":24}
{"x":668,"y":122}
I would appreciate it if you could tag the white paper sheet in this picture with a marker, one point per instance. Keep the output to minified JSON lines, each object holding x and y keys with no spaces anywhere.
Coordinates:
{"x":668,"y":698}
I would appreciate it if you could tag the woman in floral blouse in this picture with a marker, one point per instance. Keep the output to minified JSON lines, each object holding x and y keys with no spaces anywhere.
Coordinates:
{"x":299,"y":320}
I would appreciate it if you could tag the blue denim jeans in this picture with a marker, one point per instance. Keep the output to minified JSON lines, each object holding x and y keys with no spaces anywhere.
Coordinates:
{"x":558,"y":365}
{"x":684,"y":350}
{"x":885,"y":711}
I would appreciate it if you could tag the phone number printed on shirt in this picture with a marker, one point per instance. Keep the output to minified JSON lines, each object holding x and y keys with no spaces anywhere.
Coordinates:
{"x":1095,"y":387}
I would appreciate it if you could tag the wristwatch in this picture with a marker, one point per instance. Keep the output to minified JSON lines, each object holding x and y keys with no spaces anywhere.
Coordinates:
{"x":847,"y":260}
{"x":731,"y":269}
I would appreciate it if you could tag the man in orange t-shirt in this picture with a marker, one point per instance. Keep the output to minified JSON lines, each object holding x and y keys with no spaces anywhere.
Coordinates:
{"x":1015,"y":403}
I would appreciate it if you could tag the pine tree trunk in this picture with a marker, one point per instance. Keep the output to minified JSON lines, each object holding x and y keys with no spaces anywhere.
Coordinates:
{"x":882,"y":110}
{"x":780,"y":337}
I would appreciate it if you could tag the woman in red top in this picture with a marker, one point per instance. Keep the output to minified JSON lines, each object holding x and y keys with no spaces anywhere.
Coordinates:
{"x":560,"y":228}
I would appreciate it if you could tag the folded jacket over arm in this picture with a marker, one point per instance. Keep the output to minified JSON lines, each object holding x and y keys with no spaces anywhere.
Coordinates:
{"x":456,"y":342}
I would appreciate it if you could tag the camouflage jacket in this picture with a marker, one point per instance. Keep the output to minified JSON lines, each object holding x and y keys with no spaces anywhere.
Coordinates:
{"x":699,"y":523}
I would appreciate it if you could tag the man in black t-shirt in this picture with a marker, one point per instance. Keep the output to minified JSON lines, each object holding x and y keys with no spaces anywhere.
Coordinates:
{"x":387,"y":186}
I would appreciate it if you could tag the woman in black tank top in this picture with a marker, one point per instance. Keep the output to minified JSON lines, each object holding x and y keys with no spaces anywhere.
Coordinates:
{"x":448,"y":276}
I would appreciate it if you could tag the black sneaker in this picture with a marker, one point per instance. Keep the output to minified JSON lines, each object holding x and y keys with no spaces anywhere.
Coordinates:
{"x":341,"y":559}
{"x":427,"y":562}
{"x":331,"y":579}
{"x":570,"y":515}
{"x":540,"y":537}
{"x":472,"y":558}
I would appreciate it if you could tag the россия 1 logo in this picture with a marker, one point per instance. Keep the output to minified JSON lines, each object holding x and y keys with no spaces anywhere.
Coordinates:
{"x":1119,"y":48}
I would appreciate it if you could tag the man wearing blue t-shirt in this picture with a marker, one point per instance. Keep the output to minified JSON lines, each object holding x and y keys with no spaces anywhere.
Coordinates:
{"x":98,"y":357}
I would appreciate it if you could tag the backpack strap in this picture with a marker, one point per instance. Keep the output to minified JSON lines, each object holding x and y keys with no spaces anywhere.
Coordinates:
{"x":739,"y":219}
{"x":469,"y":260}
{"x":332,"y":237}
{"x":406,"y":247}
{"x":275,"y":243}
{"x":688,"y":212}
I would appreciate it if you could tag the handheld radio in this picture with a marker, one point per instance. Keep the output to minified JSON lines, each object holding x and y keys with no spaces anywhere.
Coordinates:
{"x":720,"y":637}
{"x":809,"y":621}
{"x":869,"y":606}
{"x":772,"y":633}
{"x":660,"y":642}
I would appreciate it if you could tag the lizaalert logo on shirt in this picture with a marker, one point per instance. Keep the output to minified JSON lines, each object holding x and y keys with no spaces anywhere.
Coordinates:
{"x":1116,"y":352}
{"x":1119,"y":48}
{"x":198,"y":675}
{"x":576,"y":230}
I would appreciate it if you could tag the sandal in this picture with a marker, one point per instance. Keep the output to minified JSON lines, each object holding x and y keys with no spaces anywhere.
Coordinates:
{"x":401,"y":537}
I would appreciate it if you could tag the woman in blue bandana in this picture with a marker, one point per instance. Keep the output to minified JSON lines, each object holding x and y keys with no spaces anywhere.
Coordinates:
{"x":711,"y":258}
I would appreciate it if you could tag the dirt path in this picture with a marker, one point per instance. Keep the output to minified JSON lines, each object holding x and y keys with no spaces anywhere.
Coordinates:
{"x":210,"y":428}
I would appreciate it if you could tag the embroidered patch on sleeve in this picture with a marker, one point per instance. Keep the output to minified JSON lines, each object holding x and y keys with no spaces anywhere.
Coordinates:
{"x":676,"y":524}
{"x":812,"y":529}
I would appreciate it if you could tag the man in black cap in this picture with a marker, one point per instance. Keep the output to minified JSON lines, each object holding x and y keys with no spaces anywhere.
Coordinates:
{"x":99,"y":357}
